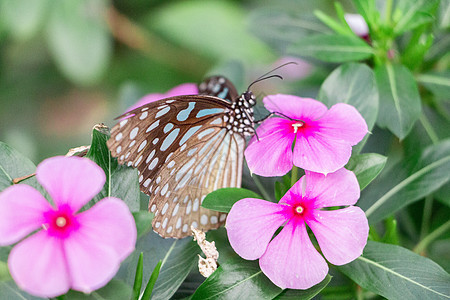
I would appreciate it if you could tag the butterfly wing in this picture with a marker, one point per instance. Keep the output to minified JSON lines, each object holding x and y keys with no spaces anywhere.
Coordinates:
{"x":218,"y":86}
{"x":183,"y":151}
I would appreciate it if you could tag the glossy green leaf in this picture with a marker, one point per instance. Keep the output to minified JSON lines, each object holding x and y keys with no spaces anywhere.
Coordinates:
{"x":398,"y":187}
{"x":437,"y":83}
{"x":366,"y":167}
{"x":121,"y":181}
{"x":143,"y":220}
{"x":397,"y":273}
{"x":138,"y":278}
{"x":114,"y":290}
{"x":399,"y":99}
{"x":289,"y":294}
{"x":413,"y":13}
{"x":280,"y":28}
{"x":23,"y":18}
{"x":187,"y":23}
{"x":223,"y":199}
{"x":332,"y":48}
{"x":353,"y":84}
{"x":9,"y":290}
{"x":79,"y":39}
{"x":178,"y":258}
{"x":151,"y":282}
{"x":237,"y":279}
{"x":14,"y":165}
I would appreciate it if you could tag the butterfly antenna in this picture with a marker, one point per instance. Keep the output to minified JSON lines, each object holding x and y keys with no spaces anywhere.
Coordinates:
{"x":262,"y":77}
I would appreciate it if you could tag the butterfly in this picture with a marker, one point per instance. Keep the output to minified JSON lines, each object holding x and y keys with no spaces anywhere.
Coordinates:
{"x":185,"y":147}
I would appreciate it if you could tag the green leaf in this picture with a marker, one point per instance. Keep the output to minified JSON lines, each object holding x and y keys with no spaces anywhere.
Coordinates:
{"x":143,"y":220}
{"x":14,"y":165}
{"x":114,"y":290}
{"x":151,"y":282}
{"x":397,"y":187}
{"x":138,"y":278}
{"x":353,"y":84}
{"x":289,"y":294}
{"x":332,"y":48}
{"x":413,"y":13}
{"x":399,"y":99}
{"x":178,"y":258}
{"x":437,"y":83}
{"x":280,"y":28}
{"x":79,"y":39}
{"x":223,"y":199}
{"x":366,"y":167}
{"x":397,"y":273}
{"x":121,"y":181}
{"x":186,"y":22}
{"x":367,"y":9}
{"x":23,"y":18}
{"x":330,"y":22}
{"x":237,"y":279}
{"x":391,"y":234}
{"x":9,"y":290}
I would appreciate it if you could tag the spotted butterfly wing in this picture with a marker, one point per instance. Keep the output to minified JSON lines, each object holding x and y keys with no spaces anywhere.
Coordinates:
{"x":185,"y":147}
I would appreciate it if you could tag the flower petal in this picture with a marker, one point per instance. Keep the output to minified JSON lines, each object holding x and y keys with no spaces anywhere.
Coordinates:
{"x":295,"y":107}
{"x":314,"y":152}
{"x":251,"y":224}
{"x":335,"y":189}
{"x":38,"y":266}
{"x":182,"y":89}
{"x":341,"y":234}
{"x":91,"y":264}
{"x":291,"y":261}
{"x":271,"y":155}
{"x":110,"y":224}
{"x":343,"y":122}
{"x":70,"y":180}
{"x":21,"y":212}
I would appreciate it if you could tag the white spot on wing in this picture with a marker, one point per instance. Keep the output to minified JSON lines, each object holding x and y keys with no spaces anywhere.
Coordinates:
{"x":162,"y":112}
{"x":134,"y":132}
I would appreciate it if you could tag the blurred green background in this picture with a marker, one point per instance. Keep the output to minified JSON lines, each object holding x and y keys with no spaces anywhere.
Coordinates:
{"x":67,"y":65}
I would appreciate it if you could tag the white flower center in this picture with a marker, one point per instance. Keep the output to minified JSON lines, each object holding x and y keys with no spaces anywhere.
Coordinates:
{"x":61,"y":221}
{"x":299,"y":209}
{"x":297,"y":126}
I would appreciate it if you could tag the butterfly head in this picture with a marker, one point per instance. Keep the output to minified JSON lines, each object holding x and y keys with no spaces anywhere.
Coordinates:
{"x":248,"y":97}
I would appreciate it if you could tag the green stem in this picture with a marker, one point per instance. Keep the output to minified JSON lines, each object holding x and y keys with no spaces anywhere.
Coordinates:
{"x":388,"y":12}
{"x":359,"y":293}
{"x":429,"y":129}
{"x":294,"y":175}
{"x":427,"y":207}
{"x":261,"y":188}
{"x":423,"y":244}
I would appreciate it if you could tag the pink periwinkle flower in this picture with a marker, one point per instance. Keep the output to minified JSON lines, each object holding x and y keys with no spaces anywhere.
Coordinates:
{"x":290,"y":260}
{"x":182,"y":89}
{"x":358,"y":25}
{"x":323,"y":138}
{"x":81,"y":251}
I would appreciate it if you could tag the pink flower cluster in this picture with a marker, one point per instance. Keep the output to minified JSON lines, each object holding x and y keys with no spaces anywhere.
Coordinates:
{"x":67,"y":249}
{"x":303,"y":133}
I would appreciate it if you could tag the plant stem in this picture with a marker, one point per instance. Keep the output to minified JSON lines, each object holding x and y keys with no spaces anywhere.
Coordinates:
{"x":428,"y":205}
{"x":294,"y":175}
{"x":423,"y":244}
{"x":429,"y":129}
{"x":261,"y":188}
{"x":388,"y":12}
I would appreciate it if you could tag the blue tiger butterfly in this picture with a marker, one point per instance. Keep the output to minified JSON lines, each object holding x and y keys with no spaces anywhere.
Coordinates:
{"x":185,"y":147}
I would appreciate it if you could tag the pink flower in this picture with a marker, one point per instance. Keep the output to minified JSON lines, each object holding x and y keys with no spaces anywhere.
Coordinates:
{"x":290,"y":260}
{"x":74,"y":250}
{"x":323,"y":138}
{"x":358,"y":25}
{"x":182,"y":89}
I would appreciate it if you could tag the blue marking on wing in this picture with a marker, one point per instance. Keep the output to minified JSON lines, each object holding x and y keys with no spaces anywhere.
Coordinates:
{"x":189,"y":133}
{"x":208,"y":111}
{"x":216,"y":88}
{"x":184,"y":114}
{"x":223,"y":93}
